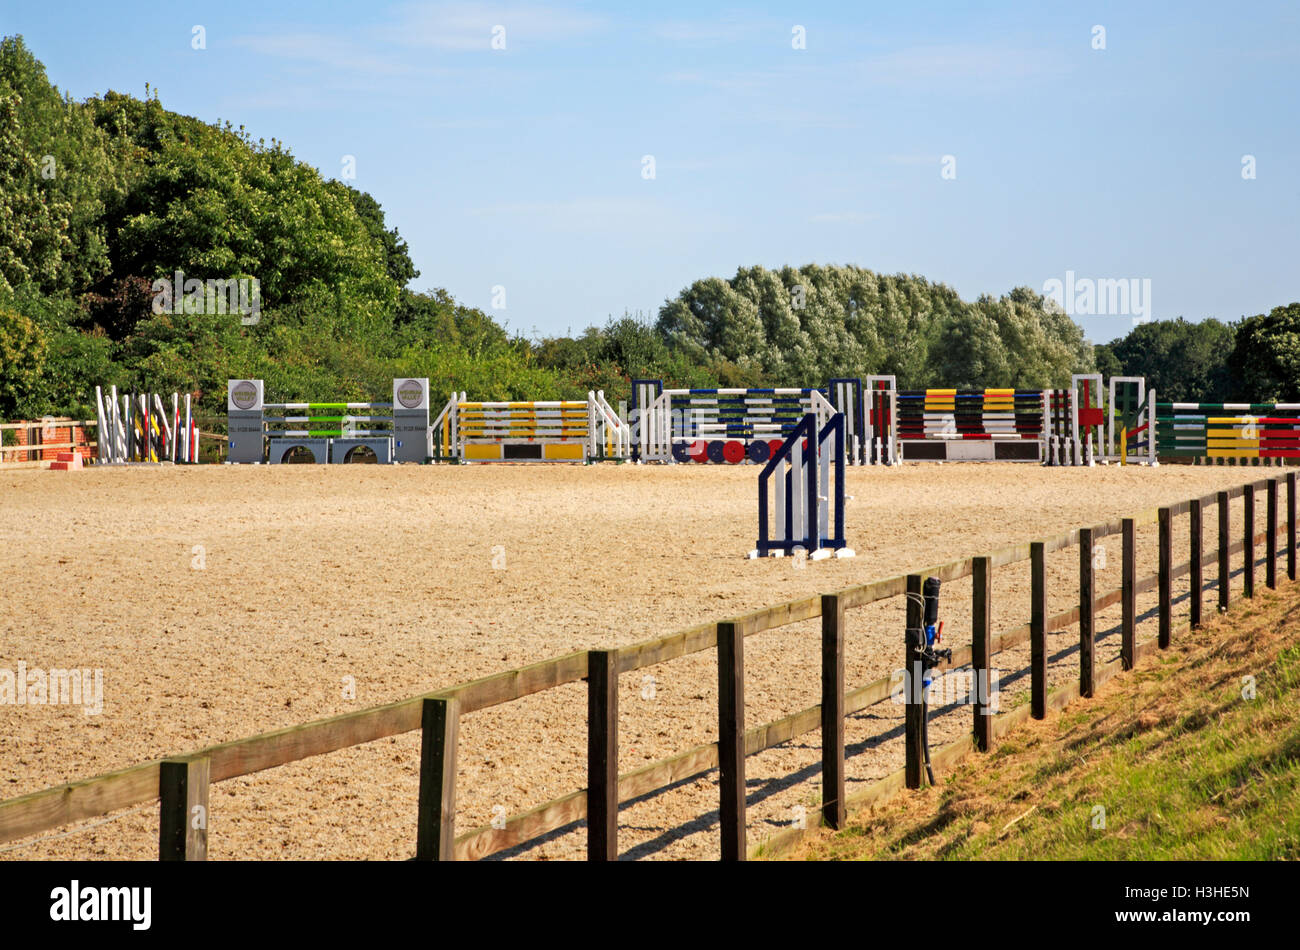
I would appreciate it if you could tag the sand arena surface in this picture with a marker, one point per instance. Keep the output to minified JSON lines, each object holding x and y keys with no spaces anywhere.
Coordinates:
{"x":221,"y":602}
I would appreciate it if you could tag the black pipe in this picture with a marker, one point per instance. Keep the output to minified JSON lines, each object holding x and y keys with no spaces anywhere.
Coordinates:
{"x":925,"y":738}
{"x":931,"y":593}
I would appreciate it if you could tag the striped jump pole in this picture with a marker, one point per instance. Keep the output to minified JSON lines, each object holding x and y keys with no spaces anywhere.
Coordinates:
{"x":1000,"y":424}
{"x":570,"y":430}
{"x":1228,"y":430}
{"x":740,"y":425}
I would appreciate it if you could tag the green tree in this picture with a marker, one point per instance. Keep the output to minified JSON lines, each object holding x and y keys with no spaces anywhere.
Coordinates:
{"x":435,"y":315}
{"x":1108,"y":363}
{"x":970,"y":352}
{"x":211,"y":203}
{"x":1182,"y":361}
{"x":33,"y":222}
{"x":55,"y":173}
{"x":22,"y":359}
{"x":1265,"y":360}
{"x":397,"y":256}
{"x":710,"y":320}
{"x":802,"y":326}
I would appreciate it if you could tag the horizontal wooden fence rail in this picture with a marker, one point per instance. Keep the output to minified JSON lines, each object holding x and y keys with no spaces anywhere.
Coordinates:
{"x":179,"y":779}
{"x":56,"y":421}
{"x":48,"y":446}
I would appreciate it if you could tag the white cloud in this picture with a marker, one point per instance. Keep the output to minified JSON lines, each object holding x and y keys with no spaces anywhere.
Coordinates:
{"x":322,"y":49}
{"x":468,"y":26}
{"x":398,"y":48}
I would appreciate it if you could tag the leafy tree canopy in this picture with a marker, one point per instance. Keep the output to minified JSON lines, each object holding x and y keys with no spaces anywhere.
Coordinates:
{"x":1265,"y":358}
{"x":805,"y":325}
{"x":1183,"y":361}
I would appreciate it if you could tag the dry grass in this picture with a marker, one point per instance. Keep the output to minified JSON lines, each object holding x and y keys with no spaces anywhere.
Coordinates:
{"x":1171,"y":761}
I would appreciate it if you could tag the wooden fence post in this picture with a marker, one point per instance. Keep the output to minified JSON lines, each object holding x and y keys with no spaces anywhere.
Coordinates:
{"x":1270,"y":545}
{"x":1198,"y":555}
{"x":982,"y":649}
{"x":1248,"y":577}
{"x":1290,"y":525}
{"x":436,"y":824}
{"x":1087,"y":643}
{"x":731,"y":739}
{"x":914,"y":712}
{"x":1165,"y":578}
{"x":602,"y":755}
{"x":183,"y":810}
{"x":833,"y":807}
{"x":1225,"y":573}
{"x":1038,"y":629}
{"x":1128,"y":594}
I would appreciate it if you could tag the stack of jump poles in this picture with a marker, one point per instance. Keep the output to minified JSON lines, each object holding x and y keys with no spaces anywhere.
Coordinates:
{"x":139,"y":428}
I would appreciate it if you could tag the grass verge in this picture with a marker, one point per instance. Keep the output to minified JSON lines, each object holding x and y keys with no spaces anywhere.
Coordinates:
{"x":1195,"y":755}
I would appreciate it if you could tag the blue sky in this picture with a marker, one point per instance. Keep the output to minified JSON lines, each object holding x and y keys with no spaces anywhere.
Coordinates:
{"x":523,"y":167}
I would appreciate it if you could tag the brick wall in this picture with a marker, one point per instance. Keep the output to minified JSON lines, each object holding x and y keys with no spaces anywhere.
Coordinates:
{"x":37,"y":434}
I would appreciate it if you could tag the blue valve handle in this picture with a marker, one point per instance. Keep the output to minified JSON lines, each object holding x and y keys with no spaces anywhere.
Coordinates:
{"x":930,"y":633}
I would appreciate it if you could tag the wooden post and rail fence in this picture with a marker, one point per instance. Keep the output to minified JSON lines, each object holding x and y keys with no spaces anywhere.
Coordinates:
{"x":41,"y":440}
{"x":181,"y":784}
